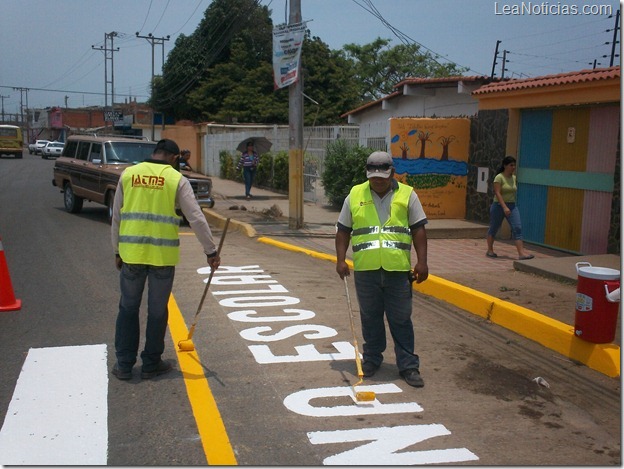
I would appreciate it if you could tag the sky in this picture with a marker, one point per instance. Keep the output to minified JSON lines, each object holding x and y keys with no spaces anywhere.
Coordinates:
{"x":52,"y":50}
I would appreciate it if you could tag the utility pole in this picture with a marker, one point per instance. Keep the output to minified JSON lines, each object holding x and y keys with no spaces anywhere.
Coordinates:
{"x":2,"y":97}
{"x":295,"y":137}
{"x":153,"y":42}
{"x":504,"y":64}
{"x":615,"y":41}
{"x":22,"y":91}
{"x":495,"y":59}
{"x":108,"y":55}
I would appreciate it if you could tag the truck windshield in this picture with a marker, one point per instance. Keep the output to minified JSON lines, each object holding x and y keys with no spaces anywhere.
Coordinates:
{"x":128,"y":152}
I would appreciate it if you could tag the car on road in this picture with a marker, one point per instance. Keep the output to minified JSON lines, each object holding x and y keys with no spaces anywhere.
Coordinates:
{"x":37,"y":147}
{"x":90,"y":166}
{"x":52,"y":150}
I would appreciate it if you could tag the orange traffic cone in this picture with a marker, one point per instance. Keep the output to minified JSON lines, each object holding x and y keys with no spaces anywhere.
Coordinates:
{"x":7,"y":297}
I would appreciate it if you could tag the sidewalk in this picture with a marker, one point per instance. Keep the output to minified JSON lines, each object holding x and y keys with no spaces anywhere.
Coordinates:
{"x":456,"y":250}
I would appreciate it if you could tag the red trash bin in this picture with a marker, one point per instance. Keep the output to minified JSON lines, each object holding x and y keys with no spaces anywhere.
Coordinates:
{"x":597,"y":303}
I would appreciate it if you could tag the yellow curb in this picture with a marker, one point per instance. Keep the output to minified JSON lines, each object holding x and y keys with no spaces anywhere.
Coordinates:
{"x":214,"y":219}
{"x":553,"y":334}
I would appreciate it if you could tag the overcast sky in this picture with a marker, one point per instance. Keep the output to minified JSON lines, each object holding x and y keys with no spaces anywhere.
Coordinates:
{"x":47,"y":44}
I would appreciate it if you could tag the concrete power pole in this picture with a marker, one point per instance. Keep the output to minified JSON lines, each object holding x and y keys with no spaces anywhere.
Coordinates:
{"x":295,"y":138}
{"x":155,"y":41}
{"x":2,"y":97}
{"x":108,"y":56}
{"x":22,"y":91}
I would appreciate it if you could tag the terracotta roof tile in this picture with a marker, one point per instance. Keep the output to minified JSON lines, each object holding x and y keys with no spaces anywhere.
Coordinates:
{"x":420,"y":81}
{"x":580,"y":76}
{"x":427,"y":81}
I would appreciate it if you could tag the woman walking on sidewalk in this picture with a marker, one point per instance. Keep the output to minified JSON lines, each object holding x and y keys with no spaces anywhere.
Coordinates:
{"x":249,"y":162}
{"x":504,"y":206}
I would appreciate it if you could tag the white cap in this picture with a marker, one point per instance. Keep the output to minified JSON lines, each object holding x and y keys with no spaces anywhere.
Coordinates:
{"x":383,"y":161}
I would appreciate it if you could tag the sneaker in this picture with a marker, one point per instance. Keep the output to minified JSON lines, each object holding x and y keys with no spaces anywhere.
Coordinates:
{"x":162,"y":368}
{"x":122,"y":374}
{"x":369,"y":368}
{"x":412,"y":377}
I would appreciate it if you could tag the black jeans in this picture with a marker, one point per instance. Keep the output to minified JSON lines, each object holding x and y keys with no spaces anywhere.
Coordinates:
{"x":127,"y":330}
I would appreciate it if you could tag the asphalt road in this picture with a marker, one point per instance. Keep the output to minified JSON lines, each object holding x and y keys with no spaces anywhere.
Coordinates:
{"x":273,"y":343}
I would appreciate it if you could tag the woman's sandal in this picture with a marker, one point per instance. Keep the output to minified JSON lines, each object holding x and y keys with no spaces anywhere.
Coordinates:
{"x":491,"y":254}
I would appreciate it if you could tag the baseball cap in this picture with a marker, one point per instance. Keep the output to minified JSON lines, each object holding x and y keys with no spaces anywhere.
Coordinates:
{"x":168,"y":145}
{"x":379,"y":164}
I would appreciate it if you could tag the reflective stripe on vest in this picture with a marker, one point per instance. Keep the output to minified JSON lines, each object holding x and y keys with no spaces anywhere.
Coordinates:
{"x":374,"y":245}
{"x":148,"y":231}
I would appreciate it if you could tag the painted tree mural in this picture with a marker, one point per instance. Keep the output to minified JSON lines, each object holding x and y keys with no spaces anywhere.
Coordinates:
{"x":445,"y":142}
{"x":424,"y":138}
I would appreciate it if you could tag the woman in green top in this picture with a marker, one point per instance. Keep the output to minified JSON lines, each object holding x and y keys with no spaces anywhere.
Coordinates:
{"x":504,"y":206}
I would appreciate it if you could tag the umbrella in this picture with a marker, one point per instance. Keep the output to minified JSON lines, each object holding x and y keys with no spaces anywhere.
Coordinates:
{"x":261,"y":145}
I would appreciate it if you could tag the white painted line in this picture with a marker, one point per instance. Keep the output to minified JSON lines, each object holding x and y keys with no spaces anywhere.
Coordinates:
{"x":59,"y":411}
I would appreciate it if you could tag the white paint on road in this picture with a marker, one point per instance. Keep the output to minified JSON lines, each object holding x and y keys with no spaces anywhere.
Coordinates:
{"x":59,"y":410}
{"x":299,"y":402}
{"x":385,"y":444}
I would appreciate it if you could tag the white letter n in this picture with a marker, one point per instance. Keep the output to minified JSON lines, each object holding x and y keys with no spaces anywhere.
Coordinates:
{"x":385,"y":441}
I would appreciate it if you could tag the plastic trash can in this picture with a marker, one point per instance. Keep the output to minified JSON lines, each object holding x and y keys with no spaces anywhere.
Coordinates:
{"x":597,"y":303}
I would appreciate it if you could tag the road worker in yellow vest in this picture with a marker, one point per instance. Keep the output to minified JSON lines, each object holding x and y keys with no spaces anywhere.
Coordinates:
{"x":145,"y":240}
{"x":381,"y":219}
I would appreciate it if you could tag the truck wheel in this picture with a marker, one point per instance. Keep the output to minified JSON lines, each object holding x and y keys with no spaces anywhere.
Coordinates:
{"x":110,"y":200}
{"x":73,"y":203}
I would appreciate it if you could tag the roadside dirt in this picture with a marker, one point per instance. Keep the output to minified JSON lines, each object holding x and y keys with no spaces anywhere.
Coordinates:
{"x":537,"y":293}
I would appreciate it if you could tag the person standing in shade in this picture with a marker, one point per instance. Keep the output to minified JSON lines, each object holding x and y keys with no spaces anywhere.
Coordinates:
{"x":185,"y":156}
{"x":382,"y":218}
{"x":144,"y":234}
{"x":249,"y":162}
{"x":504,"y":206}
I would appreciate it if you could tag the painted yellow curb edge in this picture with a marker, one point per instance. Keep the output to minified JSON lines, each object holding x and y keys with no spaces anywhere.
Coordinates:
{"x":546,"y":331}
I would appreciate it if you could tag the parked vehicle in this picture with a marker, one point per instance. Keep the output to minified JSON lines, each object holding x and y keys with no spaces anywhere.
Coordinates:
{"x":39,"y":144}
{"x":52,"y":150}
{"x":11,"y":141}
{"x":90,"y":166}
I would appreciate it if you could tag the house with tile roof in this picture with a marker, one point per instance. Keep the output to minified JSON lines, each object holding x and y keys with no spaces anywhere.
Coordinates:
{"x":564,"y":131}
{"x":416,"y":97}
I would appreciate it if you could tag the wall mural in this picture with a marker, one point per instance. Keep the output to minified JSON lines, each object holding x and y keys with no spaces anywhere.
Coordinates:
{"x":431,"y":155}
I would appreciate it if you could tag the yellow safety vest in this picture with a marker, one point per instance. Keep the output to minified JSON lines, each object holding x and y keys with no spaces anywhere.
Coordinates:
{"x":148,"y":231}
{"x":374,"y":245}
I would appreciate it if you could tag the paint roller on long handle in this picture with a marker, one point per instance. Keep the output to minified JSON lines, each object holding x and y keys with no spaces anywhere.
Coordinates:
{"x":360,"y":396}
{"x":187,"y":345}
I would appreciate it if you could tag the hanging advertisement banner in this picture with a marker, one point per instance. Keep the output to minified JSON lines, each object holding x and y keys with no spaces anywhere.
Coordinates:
{"x":287,"y":42}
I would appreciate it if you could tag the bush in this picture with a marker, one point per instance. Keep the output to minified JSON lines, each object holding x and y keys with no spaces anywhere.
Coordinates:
{"x":280,"y":171}
{"x":345,"y":167}
{"x":228,"y":166}
{"x":264,"y":173}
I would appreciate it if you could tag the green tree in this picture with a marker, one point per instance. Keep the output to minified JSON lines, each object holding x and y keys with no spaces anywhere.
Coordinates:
{"x":378,"y":67}
{"x":193,"y":59}
{"x":345,"y":166}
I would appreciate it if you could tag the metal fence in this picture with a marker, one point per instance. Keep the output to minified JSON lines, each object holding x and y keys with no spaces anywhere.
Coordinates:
{"x":220,"y":138}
